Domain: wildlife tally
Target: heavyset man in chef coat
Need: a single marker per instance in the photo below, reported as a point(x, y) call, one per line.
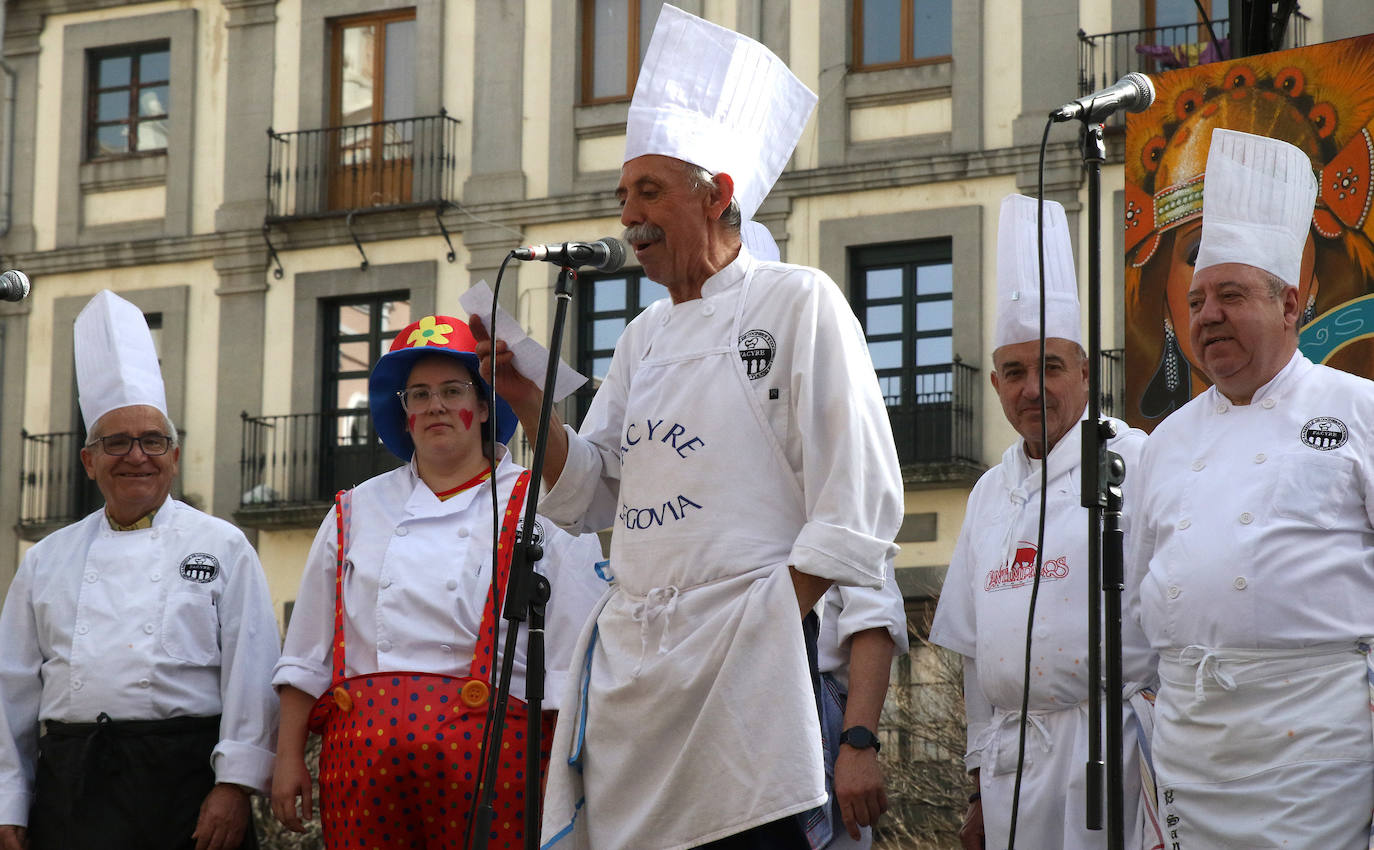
point(138, 641)
point(741, 449)
point(984, 606)
point(1250, 543)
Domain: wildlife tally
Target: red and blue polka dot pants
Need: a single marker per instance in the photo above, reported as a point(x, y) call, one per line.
point(399, 768)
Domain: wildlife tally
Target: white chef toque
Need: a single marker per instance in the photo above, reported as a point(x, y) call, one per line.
point(719, 100)
point(1257, 204)
point(116, 362)
point(1018, 275)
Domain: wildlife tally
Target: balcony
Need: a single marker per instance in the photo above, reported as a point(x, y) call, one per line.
point(291, 466)
point(933, 410)
point(1113, 375)
point(341, 171)
point(53, 488)
point(1107, 57)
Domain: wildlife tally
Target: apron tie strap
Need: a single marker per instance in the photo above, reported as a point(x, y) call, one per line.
point(1208, 667)
point(659, 603)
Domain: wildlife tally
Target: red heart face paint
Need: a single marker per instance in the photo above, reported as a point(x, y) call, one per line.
point(410, 422)
point(466, 416)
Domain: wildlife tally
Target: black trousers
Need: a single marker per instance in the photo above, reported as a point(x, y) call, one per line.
point(785, 834)
point(123, 785)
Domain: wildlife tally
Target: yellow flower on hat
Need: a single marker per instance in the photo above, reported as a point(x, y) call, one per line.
point(429, 333)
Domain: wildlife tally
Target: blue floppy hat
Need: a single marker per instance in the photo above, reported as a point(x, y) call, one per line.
point(442, 335)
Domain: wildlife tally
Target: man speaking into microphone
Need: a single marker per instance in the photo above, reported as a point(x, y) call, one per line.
point(741, 449)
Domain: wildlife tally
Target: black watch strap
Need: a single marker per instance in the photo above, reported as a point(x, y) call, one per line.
point(861, 738)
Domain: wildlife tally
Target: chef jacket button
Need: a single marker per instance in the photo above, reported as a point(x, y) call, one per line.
point(144, 683)
point(708, 310)
point(76, 684)
point(1174, 591)
point(443, 647)
point(383, 646)
point(147, 628)
point(452, 584)
point(1240, 583)
point(1261, 458)
point(1222, 407)
point(386, 582)
point(463, 532)
point(1198, 465)
point(82, 629)
point(1246, 518)
point(1042, 633)
point(1185, 524)
point(92, 577)
point(155, 533)
point(1268, 404)
point(402, 531)
point(154, 576)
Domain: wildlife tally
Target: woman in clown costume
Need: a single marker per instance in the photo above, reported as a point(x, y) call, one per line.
point(391, 652)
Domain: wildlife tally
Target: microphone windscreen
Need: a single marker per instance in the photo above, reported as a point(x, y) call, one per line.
point(615, 253)
point(14, 285)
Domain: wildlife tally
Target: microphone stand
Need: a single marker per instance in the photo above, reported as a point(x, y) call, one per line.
point(1103, 472)
point(526, 594)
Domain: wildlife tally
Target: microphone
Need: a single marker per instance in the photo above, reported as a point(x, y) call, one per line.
point(14, 285)
point(1133, 93)
point(606, 254)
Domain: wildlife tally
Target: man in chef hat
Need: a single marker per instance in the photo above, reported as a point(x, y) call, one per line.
point(985, 602)
point(1249, 549)
point(136, 645)
point(741, 450)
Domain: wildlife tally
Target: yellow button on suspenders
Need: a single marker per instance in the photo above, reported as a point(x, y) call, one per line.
point(474, 693)
point(342, 699)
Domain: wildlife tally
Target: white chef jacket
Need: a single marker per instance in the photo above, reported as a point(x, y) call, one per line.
point(783, 382)
point(1248, 536)
point(168, 621)
point(420, 581)
point(1252, 561)
point(845, 612)
point(849, 610)
point(982, 615)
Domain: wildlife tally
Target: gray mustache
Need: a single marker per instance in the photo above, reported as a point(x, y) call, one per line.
point(642, 233)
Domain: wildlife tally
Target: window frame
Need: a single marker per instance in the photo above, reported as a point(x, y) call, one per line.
point(134, 52)
point(588, 315)
point(331, 340)
point(587, 52)
point(379, 20)
point(908, 42)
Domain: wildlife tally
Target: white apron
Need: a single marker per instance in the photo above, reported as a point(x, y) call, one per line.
point(1265, 748)
point(700, 720)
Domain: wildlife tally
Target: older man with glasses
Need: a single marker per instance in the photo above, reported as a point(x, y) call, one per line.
point(136, 644)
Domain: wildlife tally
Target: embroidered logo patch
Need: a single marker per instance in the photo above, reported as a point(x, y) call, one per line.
point(1021, 569)
point(1324, 433)
point(538, 537)
point(200, 567)
point(756, 349)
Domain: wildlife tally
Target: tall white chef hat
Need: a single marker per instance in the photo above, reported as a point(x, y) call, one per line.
point(719, 100)
point(116, 363)
point(1018, 275)
point(1256, 204)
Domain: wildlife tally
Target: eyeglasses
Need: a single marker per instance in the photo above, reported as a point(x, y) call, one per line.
point(119, 445)
point(415, 399)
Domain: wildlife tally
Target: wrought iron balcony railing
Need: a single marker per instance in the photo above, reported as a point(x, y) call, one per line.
point(1113, 388)
point(53, 490)
point(1107, 57)
point(291, 466)
point(933, 410)
point(398, 164)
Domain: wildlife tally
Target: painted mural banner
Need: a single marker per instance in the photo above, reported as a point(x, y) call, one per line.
point(1319, 98)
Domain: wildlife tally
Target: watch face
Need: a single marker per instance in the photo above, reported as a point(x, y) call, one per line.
point(859, 738)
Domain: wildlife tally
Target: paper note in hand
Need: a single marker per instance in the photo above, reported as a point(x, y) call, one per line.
point(531, 359)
